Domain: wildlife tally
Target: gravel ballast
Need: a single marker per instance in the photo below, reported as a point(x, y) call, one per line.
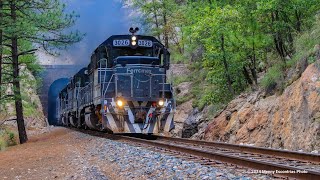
point(133, 162)
point(66, 154)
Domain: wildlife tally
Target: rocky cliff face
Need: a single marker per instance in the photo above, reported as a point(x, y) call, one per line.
point(188, 120)
point(33, 111)
point(289, 121)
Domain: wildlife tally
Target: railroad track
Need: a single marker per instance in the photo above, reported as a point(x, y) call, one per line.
point(258, 160)
point(299, 164)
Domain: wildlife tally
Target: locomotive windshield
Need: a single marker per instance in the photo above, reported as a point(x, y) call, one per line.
point(137, 60)
point(130, 52)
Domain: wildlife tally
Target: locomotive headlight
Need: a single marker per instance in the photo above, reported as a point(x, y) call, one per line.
point(161, 103)
point(133, 43)
point(119, 103)
point(133, 38)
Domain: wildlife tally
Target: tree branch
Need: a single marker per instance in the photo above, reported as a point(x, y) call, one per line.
point(31, 51)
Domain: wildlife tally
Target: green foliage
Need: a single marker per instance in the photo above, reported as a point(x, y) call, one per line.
point(3, 143)
point(308, 43)
point(7, 138)
point(29, 107)
point(181, 100)
point(180, 79)
point(200, 86)
point(201, 98)
point(237, 40)
point(35, 25)
point(274, 79)
point(178, 58)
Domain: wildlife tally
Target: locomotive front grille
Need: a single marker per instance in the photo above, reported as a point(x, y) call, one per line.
point(139, 85)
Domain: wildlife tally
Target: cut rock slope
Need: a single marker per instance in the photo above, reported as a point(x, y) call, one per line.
point(289, 121)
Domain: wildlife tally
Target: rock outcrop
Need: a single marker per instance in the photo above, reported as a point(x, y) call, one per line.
point(35, 118)
point(33, 111)
point(187, 119)
point(289, 121)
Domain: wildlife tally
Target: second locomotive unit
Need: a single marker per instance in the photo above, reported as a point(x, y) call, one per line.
point(124, 89)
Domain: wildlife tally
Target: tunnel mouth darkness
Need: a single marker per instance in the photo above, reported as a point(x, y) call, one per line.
point(53, 94)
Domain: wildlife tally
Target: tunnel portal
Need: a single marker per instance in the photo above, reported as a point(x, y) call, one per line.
point(53, 94)
point(54, 77)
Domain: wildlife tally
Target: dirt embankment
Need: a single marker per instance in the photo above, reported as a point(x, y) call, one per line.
point(289, 121)
point(58, 154)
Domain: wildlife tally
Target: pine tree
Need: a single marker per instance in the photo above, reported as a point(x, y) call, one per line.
point(41, 23)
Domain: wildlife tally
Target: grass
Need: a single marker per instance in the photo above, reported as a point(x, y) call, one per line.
point(180, 79)
point(181, 100)
point(273, 76)
point(177, 58)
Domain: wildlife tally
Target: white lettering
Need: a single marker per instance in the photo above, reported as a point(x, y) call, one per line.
point(140, 71)
point(121, 42)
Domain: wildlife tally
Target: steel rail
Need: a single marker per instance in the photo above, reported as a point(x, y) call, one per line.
point(301, 156)
point(283, 170)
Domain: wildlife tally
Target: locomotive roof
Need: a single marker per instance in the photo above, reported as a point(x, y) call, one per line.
point(113, 37)
point(64, 89)
point(80, 72)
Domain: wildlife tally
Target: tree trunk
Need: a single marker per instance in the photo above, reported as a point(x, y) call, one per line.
point(298, 24)
point(287, 20)
point(1, 52)
point(16, 81)
point(253, 67)
point(246, 75)
point(165, 23)
point(277, 38)
point(224, 59)
point(156, 18)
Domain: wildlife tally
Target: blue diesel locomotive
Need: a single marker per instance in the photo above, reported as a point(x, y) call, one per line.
point(124, 89)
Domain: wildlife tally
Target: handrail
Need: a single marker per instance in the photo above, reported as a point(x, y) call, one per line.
point(83, 95)
point(105, 91)
point(104, 77)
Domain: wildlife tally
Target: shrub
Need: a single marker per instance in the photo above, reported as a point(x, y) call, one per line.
point(181, 100)
point(7, 138)
point(11, 139)
point(273, 79)
point(305, 45)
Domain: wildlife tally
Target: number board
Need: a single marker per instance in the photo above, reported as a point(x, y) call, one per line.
point(145, 43)
point(121, 42)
